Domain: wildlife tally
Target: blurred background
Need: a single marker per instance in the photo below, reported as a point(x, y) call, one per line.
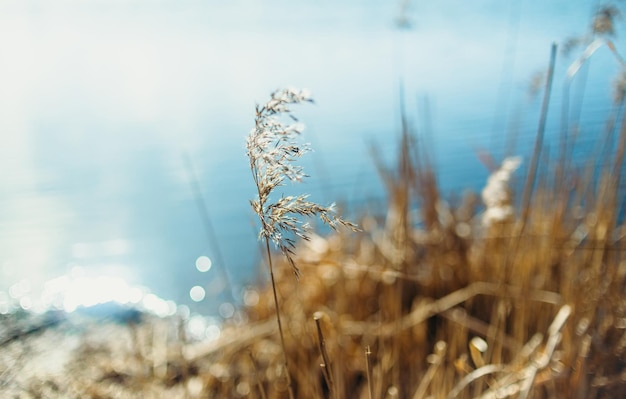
point(123, 173)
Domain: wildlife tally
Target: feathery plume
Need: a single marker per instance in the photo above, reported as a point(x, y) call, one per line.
point(273, 149)
point(497, 194)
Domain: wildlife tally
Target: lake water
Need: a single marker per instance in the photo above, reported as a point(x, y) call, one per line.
point(108, 109)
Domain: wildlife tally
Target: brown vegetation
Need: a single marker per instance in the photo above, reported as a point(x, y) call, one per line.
point(441, 304)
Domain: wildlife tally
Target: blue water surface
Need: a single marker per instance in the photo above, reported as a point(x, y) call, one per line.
point(109, 108)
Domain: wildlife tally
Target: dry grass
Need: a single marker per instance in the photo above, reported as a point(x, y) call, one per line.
point(547, 300)
point(452, 302)
point(273, 149)
point(449, 304)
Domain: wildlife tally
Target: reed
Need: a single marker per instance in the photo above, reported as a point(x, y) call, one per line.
point(273, 148)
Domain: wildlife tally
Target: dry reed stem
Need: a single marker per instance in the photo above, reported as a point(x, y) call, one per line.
point(436, 359)
point(368, 352)
point(460, 316)
point(430, 309)
point(325, 366)
point(272, 149)
point(534, 164)
point(258, 381)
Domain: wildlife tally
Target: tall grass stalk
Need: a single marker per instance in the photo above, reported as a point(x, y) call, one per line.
point(534, 163)
point(273, 148)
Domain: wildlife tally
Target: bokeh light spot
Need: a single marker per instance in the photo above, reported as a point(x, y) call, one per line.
point(203, 263)
point(212, 332)
point(197, 293)
point(226, 310)
point(250, 297)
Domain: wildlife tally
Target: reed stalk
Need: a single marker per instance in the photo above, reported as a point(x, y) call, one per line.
point(273, 148)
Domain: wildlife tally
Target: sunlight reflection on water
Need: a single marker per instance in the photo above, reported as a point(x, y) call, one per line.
point(79, 290)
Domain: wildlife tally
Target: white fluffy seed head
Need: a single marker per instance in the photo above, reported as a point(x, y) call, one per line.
point(273, 148)
point(497, 194)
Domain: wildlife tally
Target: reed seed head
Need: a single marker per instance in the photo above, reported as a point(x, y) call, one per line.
point(604, 20)
point(497, 194)
point(273, 148)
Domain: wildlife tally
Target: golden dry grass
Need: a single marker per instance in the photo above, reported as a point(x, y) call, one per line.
point(447, 306)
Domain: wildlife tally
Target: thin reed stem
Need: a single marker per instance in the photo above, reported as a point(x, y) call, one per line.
point(437, 360)
point(368, 352)
point(258, 381)
point(280, 325)
point(530, 181)
point(273, 148)
point(326, 370)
